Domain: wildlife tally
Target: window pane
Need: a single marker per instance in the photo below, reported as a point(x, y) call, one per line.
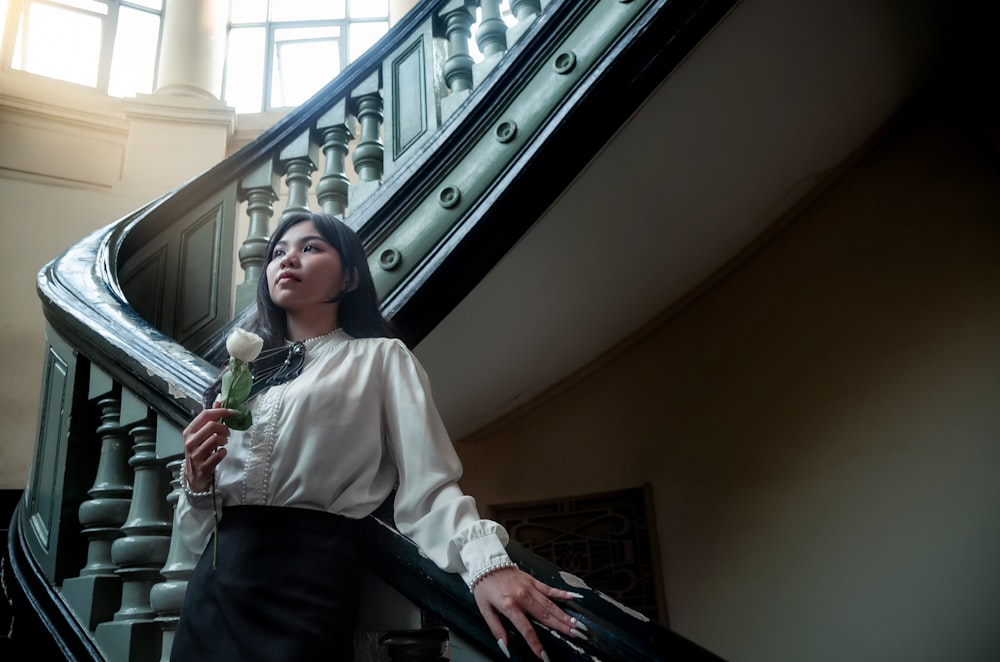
point(301, 68)
point(364, 36)
point(134, 58)
point(282, 35)
point(306, 10)
point(156, 5)
point(245, 69)
point(61, 44)
point(87, 5)
point(369, 8)
point(248, 11)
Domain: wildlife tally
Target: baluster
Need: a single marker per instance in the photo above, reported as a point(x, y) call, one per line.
point(259, 189)
point(369, 153)
point(134, 634)
point(458, 19)
point(525, 11)
point(297, 161)
point(491, 37)
point(167, 597)
point(335, 130)
point(96, 593)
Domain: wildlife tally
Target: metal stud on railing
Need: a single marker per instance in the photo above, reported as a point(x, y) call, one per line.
point(389, 259)
point(506, 131)
point(564, 62)
point(449, 196)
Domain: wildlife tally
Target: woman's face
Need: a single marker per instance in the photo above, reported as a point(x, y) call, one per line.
point(304, 270)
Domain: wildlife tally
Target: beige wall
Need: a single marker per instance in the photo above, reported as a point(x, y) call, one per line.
point(84, 164)
point(821, 429)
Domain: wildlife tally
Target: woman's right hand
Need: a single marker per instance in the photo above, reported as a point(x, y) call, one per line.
point(205, 440)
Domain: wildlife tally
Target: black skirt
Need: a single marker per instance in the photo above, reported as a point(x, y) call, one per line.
point(285, 587)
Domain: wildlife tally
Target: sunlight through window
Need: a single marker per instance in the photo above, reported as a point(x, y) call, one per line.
point(281, 53)
point(59, 42)
point(133, 67)
point(110, 45)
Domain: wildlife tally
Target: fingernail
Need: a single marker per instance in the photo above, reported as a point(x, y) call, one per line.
point(545, 658)
point(578, 624)
point(579, 635)
point(574, 595)
point(503, 648)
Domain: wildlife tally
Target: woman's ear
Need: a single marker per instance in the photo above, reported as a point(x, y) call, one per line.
point(353, 280)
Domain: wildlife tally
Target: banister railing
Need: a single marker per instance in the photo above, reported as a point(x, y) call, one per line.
point(472, 154)
point(353, 138)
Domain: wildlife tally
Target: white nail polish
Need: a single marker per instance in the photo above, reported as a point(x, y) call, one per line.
point(579, 635)
point(574, 622)
point(574, 595)
point(545, 658)
point(503, 648)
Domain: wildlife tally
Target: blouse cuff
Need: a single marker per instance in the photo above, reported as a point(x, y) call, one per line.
point(196, 499)
point(482, 556)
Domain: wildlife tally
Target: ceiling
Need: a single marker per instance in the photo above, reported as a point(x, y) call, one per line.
point(769, 103)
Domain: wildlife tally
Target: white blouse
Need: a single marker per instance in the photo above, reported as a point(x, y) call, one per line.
point(337, 438)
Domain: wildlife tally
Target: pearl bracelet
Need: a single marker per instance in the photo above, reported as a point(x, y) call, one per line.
point(187, 487)
point(489, 570)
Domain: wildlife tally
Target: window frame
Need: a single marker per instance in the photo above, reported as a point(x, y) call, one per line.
point(270, 45)
point(18, 15)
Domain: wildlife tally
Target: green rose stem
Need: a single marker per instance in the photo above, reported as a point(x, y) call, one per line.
point(236, 383)
point(215, 528)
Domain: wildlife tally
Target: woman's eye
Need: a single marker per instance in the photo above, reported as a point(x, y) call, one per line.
point(276, 254)
point(310, 247)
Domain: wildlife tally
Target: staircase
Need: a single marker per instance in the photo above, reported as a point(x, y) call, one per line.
point(451, 161)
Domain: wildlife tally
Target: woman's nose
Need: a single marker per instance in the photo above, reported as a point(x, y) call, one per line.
point(289, 259)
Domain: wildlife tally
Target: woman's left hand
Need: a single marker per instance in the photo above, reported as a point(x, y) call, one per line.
point(518, 596)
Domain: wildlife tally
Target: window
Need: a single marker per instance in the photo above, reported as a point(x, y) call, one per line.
point(111, 45)
point(281, 53)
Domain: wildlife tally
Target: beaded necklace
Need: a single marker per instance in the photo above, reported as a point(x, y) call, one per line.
point(289, 369)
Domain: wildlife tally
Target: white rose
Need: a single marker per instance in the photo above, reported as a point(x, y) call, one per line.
point(244, 345)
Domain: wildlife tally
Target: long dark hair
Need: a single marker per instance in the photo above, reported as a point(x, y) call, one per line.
point(358, 314)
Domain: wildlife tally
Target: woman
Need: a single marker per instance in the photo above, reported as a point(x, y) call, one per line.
point(328, 446)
